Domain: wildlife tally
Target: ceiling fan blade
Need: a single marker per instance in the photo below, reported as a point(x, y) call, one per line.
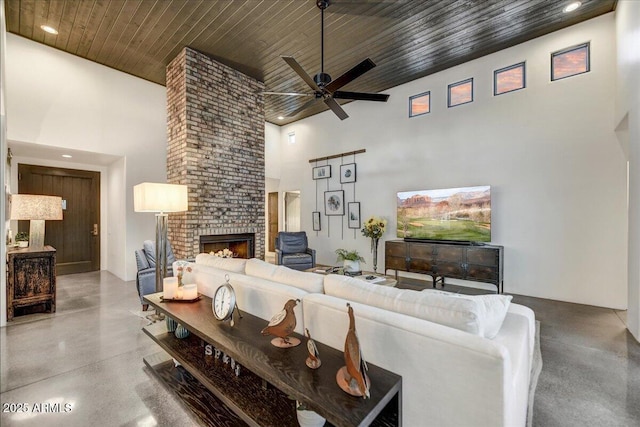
point(298, 69)
point(288, 93)
point(304, 107)
point(336, 108)
point(350, 75)
point(361, 96)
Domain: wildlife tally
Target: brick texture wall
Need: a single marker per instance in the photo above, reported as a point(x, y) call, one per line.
point(215, 130)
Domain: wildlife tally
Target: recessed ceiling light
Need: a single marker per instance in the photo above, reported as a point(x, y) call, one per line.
point(67, 156)
point(280, 118)
point(572, 6)
point(49, 29)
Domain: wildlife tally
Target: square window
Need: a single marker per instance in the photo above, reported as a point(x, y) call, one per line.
point(509, 79)
point(460, 93)
point(570, 62)
point(420, 104)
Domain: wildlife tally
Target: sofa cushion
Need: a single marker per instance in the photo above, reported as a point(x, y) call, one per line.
point(494, 309)
point(296, 259)
point(236, 265)
point(309, 282)
point(459, 313)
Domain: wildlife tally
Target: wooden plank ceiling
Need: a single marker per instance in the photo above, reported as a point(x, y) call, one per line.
point(406, 39)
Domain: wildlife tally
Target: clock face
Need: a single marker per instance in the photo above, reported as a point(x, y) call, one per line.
point(224, 302)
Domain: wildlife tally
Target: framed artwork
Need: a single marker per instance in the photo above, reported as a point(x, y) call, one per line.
point(334, 202)
point(316, 221)
point(347, 173)
point(322, 172)
point(353, 212)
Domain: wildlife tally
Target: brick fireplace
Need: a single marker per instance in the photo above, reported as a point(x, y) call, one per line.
point(215, 130)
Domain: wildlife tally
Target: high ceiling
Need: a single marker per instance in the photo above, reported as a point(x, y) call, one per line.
point(406, 39)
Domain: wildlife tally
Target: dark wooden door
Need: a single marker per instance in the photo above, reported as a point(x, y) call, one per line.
point(77, 237)
point(273, 220)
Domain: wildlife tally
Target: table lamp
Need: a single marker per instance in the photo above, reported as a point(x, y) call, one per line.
point(160, 198)
point(37, 209)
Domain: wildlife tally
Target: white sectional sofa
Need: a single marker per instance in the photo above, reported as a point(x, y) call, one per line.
point(464, 361)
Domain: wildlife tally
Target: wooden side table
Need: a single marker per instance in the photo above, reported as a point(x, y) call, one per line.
point(31, 278)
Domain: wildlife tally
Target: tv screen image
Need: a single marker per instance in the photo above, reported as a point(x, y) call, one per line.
point(456, 214)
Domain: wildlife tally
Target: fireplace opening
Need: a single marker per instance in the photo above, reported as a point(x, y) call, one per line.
point(242, 245)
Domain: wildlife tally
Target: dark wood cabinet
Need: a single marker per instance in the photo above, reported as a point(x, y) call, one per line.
point(31, 278)
point(479, 263)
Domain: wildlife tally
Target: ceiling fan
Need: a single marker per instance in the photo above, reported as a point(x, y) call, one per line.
point(324, 88)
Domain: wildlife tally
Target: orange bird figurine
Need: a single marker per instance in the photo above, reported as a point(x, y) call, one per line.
point(353, 378)
point(313, 361)
point(282, 325)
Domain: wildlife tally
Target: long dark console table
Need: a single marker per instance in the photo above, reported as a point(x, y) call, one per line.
point(246, 396)
point(479, 263)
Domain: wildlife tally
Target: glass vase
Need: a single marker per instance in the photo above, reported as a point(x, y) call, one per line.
point(374, 249)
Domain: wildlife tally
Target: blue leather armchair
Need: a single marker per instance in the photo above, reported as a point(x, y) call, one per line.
point(292, 250)
point(146, 262)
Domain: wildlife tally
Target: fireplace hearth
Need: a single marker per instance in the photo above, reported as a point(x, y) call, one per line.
point(242, 245)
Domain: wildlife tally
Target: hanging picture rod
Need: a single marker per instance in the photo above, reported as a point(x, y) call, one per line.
point(335, 156)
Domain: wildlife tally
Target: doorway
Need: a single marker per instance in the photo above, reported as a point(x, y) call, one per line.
point(273, 220)
point(77, 237)
point(292, 211)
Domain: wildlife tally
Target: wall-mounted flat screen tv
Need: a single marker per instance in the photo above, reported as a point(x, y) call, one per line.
point(454, 214)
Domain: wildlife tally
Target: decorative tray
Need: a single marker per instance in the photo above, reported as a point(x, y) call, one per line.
point(163, 299)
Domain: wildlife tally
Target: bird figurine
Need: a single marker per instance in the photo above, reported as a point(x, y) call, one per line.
point(353, 377)
point(313, 361)
point(282, 325)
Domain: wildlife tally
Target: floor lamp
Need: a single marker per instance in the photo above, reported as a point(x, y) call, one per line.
point(160, 198)
point(37, 209)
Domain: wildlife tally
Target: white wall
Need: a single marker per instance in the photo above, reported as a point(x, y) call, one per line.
point(628, 119)
point(57, 99)
point(3, 154)
point(557, 172)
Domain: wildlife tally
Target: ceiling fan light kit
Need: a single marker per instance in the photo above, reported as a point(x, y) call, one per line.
point(324, 88)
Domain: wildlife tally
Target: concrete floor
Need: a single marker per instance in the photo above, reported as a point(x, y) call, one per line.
point(89, 355)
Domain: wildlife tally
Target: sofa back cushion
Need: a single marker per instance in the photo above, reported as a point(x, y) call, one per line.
point(459, 313)
point(235, 265)
point(310, 282)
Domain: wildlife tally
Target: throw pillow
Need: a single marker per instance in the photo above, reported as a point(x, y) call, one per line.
point(494, 309)
point(465, 315)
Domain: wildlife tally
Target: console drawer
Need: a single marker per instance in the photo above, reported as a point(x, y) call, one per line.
point(482, 256)
point(482, 272)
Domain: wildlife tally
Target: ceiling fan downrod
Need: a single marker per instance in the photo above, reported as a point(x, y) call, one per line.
point(322, 79)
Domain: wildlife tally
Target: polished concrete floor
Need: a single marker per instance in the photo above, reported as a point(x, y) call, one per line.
point(87, 357)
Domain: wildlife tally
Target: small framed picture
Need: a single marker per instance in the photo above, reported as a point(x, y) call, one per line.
point(334, 202)
point(347, 173)
point(353, 212)
point(316, 221)
point(322, 172)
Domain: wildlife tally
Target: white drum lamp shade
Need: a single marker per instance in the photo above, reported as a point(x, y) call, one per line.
point(156, 197)
point(37, 209)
